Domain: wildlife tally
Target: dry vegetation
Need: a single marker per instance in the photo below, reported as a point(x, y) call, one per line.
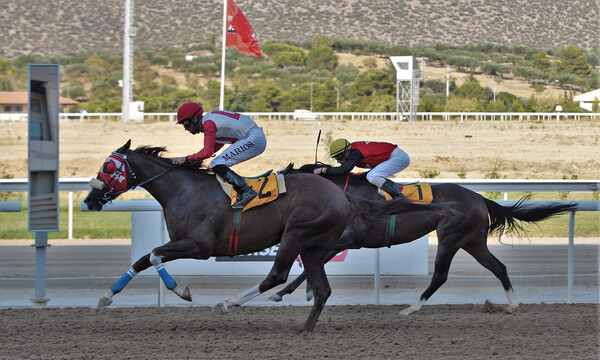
point(55, 27)
point(513, 149)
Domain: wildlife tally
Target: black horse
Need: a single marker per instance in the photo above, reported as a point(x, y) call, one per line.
point(478, 217)
point(307, 220)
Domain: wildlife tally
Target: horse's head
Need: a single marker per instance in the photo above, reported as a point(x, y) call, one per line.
point(111, 179)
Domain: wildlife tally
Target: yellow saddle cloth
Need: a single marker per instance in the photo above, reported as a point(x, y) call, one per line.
point(420, 192)
point(268, 187)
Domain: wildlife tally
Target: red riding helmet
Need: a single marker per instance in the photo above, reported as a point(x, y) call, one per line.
point(188, 110)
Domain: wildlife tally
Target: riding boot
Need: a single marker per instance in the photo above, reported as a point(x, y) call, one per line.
point(389, 187)
point(244, 192)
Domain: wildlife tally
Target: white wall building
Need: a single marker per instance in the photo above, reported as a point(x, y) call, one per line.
point(587, 100)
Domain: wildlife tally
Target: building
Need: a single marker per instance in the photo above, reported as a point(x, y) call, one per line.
point(15, 102)
point(587, 100)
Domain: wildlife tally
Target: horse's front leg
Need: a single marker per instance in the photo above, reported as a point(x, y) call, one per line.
point(174, 250)
point(315, 269)
point(142, 264)
point(182, 292)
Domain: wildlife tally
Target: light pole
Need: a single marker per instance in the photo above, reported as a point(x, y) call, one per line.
point(311, 94)
point(337, 103)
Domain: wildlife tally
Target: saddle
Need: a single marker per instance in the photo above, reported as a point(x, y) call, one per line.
point(419, 192)
point(268, 186)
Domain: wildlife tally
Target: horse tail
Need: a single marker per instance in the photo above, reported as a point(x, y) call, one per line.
point(504, 218)
point(372, 211)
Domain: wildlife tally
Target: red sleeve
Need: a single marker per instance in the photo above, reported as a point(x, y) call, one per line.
point(210, 133)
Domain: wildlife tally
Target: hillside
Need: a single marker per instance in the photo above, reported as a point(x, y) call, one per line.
point(54, 27)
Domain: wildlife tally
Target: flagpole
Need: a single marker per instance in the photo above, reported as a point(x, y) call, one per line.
point(221, 101)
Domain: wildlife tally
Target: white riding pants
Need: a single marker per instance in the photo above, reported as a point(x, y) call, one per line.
point(243, 149)
point(398, 161)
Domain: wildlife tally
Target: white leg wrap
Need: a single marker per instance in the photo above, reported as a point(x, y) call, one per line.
point(155, 260)
point(413, 308)
point(241, 298)
point(512, 302)
point(179, 291)
point(244, 297)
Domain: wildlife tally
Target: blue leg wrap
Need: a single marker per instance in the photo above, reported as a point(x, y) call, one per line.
point(166, 278)
point(124, 280)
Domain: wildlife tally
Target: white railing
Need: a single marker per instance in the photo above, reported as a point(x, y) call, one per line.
point(503, 185)
point(78, 184)
point(424, 116)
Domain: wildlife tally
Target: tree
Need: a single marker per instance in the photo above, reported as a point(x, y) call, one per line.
point(573, 61)
point(290, 58)
point(372, 81)
point(322, 58)
point(3, 66)
point(493, 68)
point(460, 104)
point(6, 84)
point(471, 90)
point(211, 97)
point(346, 73)
point(461, 62)
point(285, 54)
point(528, 73)
point(540, 61)
point(370, 63)
point(428, 104)
point(321, 41)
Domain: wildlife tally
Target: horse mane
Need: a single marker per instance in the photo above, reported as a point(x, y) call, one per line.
point(151, 150)
point(156, 151)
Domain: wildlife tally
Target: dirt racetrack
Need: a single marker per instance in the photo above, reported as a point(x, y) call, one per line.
point(481, 331)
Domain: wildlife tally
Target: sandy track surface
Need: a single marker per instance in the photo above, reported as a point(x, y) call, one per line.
point(546, 331)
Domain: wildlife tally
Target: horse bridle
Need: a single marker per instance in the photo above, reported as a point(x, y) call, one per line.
point(110, 193)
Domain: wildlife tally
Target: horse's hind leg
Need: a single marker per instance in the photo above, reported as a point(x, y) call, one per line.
point(278, 296)
point(481, 253)
point(443, 259)
point(284, 260)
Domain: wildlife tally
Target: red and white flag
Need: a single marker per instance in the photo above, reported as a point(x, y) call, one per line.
point(239, 32)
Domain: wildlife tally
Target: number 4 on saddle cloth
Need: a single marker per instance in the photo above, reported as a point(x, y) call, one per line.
point(419, 192)
point(268, 186)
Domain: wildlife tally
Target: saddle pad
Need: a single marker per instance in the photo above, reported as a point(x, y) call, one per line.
point(420, 192)
point(268, 188)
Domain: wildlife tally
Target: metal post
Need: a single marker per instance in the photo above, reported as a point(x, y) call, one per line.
point(571, 257)
point(377, 276)
point(70, 215)
point(41, 242)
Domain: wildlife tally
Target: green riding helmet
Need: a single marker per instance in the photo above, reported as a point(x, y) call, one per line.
point(338, 146)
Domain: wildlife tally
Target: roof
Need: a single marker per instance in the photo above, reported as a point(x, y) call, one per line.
point(588, 96)
point(22, 98)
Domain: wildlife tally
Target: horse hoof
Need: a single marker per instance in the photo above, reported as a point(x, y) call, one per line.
point(275, 298)
point(405, 312)
point(104, 302)
point(186, 295)
point(220, 309)
point(309, 295)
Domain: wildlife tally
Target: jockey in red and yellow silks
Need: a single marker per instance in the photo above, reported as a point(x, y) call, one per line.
point(384, 159)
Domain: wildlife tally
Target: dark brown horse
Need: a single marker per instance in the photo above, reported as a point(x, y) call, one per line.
point(307, 220)
point(478, 217)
